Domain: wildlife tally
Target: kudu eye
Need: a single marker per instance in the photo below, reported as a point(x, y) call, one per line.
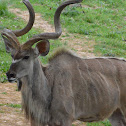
point(26, 57)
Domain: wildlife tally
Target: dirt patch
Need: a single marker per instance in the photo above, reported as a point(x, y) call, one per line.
point(39, 22)
point(84, 47)
point(86, 6)
point(11, 115)
point(124, 18)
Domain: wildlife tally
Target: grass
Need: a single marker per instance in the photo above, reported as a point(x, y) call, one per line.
point(101, 20)
point(3, 7)
point(4, 93)
point(103, 123)
point(11, 105)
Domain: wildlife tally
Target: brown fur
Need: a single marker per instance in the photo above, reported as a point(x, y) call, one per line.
point(59, 52)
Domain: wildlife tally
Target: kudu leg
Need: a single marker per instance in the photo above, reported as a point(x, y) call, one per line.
point(52, 125)
point(117, 119)
point(37, 125)
point(69, 123)
point(34, 124)
point(59, 125)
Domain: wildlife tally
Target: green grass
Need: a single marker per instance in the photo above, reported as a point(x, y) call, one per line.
point(3, 7)
point(1, 111)
point(11, 105)
point(4, 93)
point(103, 123)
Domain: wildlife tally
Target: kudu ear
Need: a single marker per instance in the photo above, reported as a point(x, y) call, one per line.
point(43, 47)
point(8, 45)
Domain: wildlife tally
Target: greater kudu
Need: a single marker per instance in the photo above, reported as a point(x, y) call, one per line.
point(69, 87)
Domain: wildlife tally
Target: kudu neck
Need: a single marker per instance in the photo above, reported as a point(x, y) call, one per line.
point(36, 79)
point(36, 74)
point(38, 93)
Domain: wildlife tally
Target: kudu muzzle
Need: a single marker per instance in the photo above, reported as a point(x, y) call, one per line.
point(12, 78)
point(11, 74)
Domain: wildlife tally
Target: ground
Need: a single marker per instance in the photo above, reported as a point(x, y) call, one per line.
point(10, 110)
point(10, 98)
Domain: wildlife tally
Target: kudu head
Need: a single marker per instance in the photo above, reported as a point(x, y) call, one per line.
point(24, 55)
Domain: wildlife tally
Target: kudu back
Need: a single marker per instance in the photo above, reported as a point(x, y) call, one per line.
point(69, 88)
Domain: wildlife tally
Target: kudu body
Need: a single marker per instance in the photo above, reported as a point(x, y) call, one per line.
point(69, 88)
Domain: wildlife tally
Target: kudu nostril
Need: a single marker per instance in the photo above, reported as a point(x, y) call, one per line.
point(10, 75)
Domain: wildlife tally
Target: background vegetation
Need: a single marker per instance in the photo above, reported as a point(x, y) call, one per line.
point(101, 20)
